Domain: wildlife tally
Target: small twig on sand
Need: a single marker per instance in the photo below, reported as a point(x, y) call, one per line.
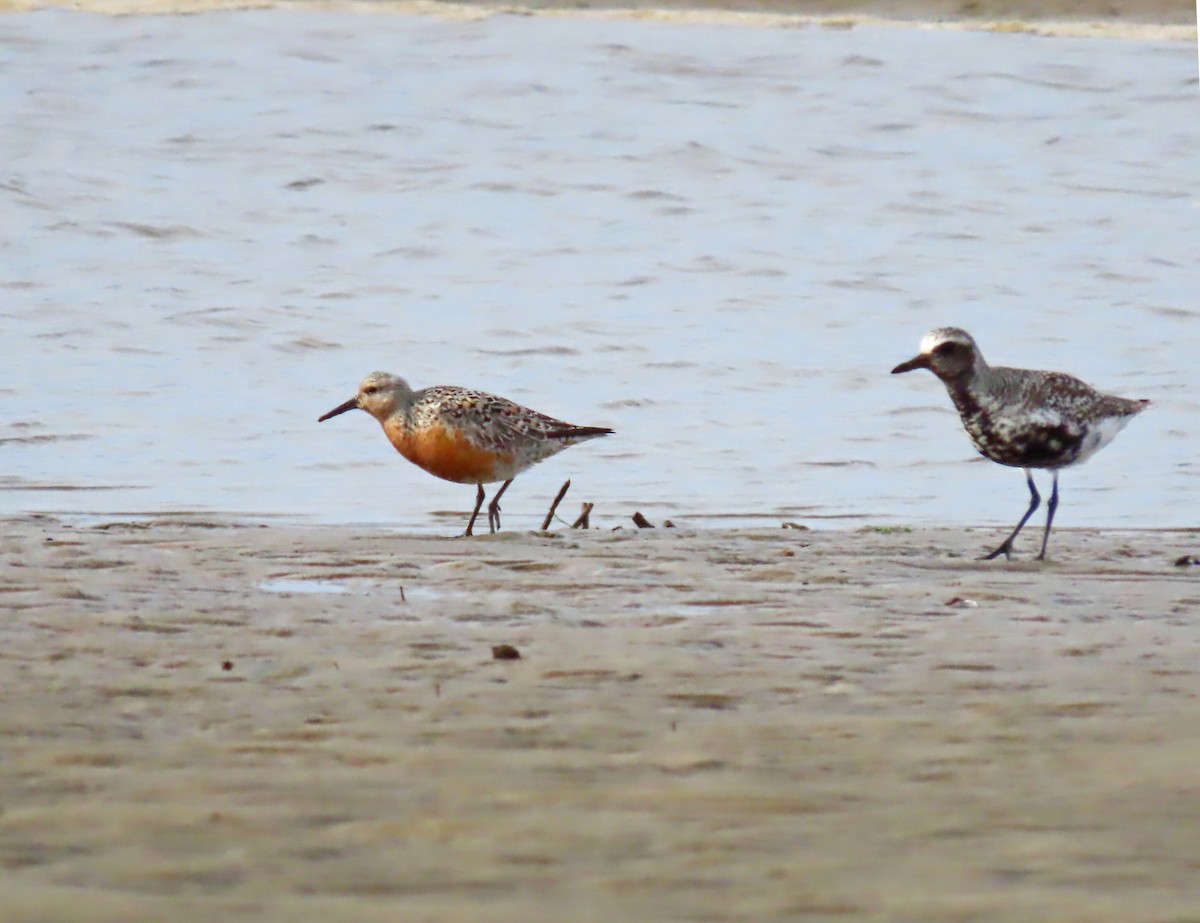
point(562, 492)
point(642, 522)
point(582, 522)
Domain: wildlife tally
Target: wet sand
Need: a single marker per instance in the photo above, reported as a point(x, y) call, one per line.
point(211, 720)
point(1174, 12)
point(1145, 19)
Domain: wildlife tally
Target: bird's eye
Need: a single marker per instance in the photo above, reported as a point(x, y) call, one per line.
point(945, 349)
point(370, 389)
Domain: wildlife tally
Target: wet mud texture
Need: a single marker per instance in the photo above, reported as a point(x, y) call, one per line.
point(204, 720)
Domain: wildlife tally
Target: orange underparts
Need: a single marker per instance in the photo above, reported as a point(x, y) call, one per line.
point(449, 455)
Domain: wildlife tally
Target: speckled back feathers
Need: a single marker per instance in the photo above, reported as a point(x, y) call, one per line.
point(495, 423)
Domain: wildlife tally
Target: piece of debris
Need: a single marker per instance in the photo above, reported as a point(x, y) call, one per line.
point(1188, 560)
point(505, 652)
point(794, 525)
point(562, 492)
point(226, 665)
point(667, 524)
point(959, 602)
point(642, 522)
point(787, 552)
point(583, 522)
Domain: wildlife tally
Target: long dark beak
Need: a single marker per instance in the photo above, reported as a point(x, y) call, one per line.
point(916, 362)
point(351, 404)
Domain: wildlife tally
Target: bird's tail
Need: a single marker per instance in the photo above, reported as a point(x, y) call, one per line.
point(579, 432)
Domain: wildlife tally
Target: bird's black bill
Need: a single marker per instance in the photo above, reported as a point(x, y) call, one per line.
point(351, 404)
point(916, 362)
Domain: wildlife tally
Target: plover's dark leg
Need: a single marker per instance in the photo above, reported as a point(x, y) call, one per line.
point(494, 506)
point(474, 512)
point(1034, 499)
point(1050, 508)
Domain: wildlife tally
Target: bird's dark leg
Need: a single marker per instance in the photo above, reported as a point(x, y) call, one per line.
point(474, 512)
point(1034, 499)
point(1050, 508)
point(494, 506)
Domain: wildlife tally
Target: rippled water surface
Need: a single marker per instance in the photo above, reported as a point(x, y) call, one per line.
point(717, 240)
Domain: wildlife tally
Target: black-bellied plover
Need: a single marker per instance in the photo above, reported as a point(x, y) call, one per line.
point(1021, 417)
point(469, 437)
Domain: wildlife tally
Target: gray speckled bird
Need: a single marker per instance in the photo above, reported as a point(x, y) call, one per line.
point(1021, 417)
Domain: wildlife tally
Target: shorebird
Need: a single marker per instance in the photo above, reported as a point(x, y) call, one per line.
point(465, 436)
point(1021, 417)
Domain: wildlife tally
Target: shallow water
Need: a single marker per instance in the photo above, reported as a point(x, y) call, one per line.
point(716, 240)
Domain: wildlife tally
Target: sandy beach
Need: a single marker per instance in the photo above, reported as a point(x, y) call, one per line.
point(1145, 19)
point(966, 13)
point(211, 720)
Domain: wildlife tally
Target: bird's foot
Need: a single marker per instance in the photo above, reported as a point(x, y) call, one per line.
point(493, 518)
point(1005, 549)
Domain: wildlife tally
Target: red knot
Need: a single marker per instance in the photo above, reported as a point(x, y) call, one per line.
point(465, 436)
point(1021, 417)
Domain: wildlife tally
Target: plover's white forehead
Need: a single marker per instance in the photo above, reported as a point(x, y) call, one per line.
point(934, 338)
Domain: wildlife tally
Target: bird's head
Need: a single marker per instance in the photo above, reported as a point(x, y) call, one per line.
point(948, 352)
point(379, 395)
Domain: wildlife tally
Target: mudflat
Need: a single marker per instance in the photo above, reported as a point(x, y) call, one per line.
point(1144, 19)
point(205, 719)
point(1138, 11)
